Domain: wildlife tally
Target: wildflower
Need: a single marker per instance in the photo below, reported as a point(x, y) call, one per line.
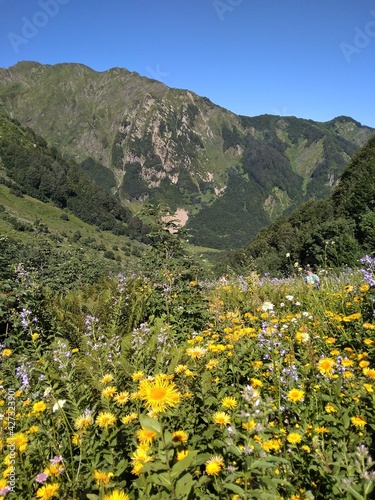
point(358, 421)
point(42, 477)
point(294, 438)
point(146, 435)
point(267, 306)
point(271, 444)
point(306, 448)
point(77, 439)
point(75, 350)
point(107, 378)
point(295, 395)
point(182, 454)
point(109, 391)
point(211, 364)
point(221, 418)
point(179, 437)
point(39, 406)
point(159, 394)
point(348, 289)
point(229, 403)
point(326, 365)
point(48, 491)
point(33, 429)
point(368, 387)
point(83, 422)
point(256, 382)
point(180, 368)
point(19, 440)
point(329, 408)
point(53, 470)
point(116, 495)
point(138, 376)
point(196, 352)
point(58, 405)
point(249, 426)
point(321, 430)
point(214, 465)
point(105, 419)
point(369, 372)
point(121, 398)
point(102, 477)
point(129, 418)
point(6, 353)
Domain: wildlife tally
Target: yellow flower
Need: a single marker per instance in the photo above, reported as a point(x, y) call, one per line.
point(54, 470)
point(35, 336)
point(77, 439)
point(189, 373)
point(33, 429)
point(129, 418)
point(138, 376)
point(321, 430)
point(358, 421)
point(159, 394)
point(214, 465)
point(179, 437)
point(83, 421)
point(6, 353)
point(48, 491)
point(221, 418)
point(75, 350)
point(39, 406)
point(121, 398)
point(348, 289)
point(369, 372)
point(257, 364)
point(211, 364)
point(326, 365)
point(306, 448)
point(329, 408)
point(109, 391)
point(146, 435)
point(295, 395)
point(229, 402)
point(271, 444)
point(108, 377)
point(364, 364)
point(182, 454)
point(180, 368)
point(102, 477)
point(249, 426)
point(106, 419)
point(116, 495)
point(368, 387)
point(256, 382)
point(19, 439)
point(294, 438)
point(196, 352)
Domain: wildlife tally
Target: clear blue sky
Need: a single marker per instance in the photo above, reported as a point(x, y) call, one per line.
point(308, 58)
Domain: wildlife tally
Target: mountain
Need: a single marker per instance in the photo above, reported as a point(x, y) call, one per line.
point(335, 232)
point(228, 175)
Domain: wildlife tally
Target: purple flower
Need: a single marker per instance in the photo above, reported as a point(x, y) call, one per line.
point(40, 478)
point(56, 459)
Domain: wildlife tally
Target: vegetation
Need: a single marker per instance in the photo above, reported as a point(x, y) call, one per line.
point(331, 233)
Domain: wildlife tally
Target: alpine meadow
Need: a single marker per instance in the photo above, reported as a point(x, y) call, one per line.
point(158, 338)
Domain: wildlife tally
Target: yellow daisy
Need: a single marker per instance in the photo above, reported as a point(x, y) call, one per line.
point(295, 395)
point(159, 394)
point(221, 418)
point(106, 419)
point(48, 491)
point(116, 495)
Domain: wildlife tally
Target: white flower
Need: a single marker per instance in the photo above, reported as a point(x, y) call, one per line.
point(267, 306)
point(289, 297)
point(57, 406)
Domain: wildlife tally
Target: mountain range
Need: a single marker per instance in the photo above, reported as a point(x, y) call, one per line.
point(227, 176)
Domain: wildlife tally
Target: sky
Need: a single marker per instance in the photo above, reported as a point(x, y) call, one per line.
point(312, 59)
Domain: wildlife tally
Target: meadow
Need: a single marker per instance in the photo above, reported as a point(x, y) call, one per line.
point(166, 386)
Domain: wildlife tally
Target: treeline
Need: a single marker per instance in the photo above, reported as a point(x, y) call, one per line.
point(41, 172)
point(334, 232)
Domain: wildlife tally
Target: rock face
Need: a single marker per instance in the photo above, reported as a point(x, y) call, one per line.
point(231, 175)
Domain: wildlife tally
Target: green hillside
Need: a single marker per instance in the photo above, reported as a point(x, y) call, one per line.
point(334, 232)
point(147, 143)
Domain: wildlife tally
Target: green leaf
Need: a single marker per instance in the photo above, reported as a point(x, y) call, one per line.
point(91, 496)
point(150, 423)
point(121, 466)
point(234, 487)
point(183, 486)
point(183, 464)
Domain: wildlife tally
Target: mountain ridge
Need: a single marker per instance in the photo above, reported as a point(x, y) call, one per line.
point(172, 146)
